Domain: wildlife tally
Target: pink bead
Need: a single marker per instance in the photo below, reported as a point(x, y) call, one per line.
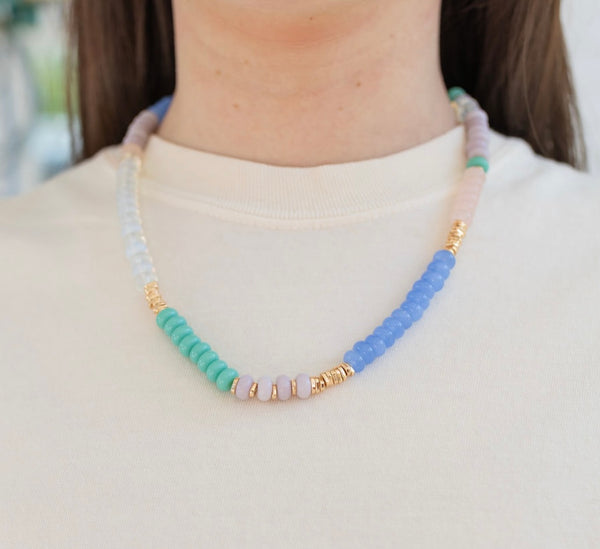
point(467, 197)
point(146, 121)
point(284, 387)
point(482, 141)
point(265, 387)
point(478, 149)
point(303, 387)
point(242, 388)
point(478, 133)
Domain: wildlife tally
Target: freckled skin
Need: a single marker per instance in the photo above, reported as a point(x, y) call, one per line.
point(306, 82)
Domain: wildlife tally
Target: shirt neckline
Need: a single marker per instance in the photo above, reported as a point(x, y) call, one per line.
point(263, 191)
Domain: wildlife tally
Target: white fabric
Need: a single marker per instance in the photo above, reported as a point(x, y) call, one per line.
point(478, 428)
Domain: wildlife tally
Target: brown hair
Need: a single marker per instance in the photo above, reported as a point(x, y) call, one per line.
point(508, 54)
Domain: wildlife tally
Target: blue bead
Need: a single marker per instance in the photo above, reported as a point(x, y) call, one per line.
point(414, 310)
point(446, 256)
point(395, 326)
point(419, 298)
point(386, 334)
point(435, 279)
point(161, 107)
point(439, 267)
point(424, 287)
point(355, 360)
point(403, 317)
point(365, 350)
point(377, 343)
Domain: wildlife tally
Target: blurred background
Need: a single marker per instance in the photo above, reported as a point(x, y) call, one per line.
point(34, 131)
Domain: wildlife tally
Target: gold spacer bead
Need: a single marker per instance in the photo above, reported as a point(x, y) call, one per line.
point(252, 391)
point(316, 385)
point(234, 385)
point(274, 392)
point(294, 387)
point(347, 368)
point(455, 236)
point(154, 298)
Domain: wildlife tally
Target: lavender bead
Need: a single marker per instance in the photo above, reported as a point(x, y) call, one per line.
point(242, 389)
point(284, 387)
point(303, 388)
point(476, 115)
point(265, 386)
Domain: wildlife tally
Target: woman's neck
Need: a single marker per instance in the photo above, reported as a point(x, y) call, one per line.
point(322, 82)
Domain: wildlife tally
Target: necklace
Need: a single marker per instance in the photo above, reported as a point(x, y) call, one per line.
point(468, 112)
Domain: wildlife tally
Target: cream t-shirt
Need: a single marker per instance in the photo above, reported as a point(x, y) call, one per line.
point(480, 427)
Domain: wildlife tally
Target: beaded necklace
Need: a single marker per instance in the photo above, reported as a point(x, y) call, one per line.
point(468, 112)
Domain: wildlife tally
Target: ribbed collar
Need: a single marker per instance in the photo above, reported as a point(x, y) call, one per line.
point(268, 191)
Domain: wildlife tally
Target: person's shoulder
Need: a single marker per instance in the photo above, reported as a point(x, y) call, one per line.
point(82, 189)
point(536, 191)
point(518, 170)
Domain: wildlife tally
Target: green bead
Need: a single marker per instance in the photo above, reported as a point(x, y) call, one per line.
point(478, 161)
point(214, 369)
point(199, 348)
point(165, 315)
point(179, 333)
point(172, 323)
point(187, 343)
point(454, 92)
point(225, 379)
point(206, 359)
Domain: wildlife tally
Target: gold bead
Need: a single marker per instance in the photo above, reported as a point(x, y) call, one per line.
point(316, 385)
point(332, 377)
point(234, 385)
point(347, 368)
point(274, 392)
point(153, 297)
point(294, 387)
point(253, 389)
point(455, 236)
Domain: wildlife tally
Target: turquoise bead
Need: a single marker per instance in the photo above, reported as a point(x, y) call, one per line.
point(187, 343)
point(455, 92)
point(164, 315)
point(214, 369)
point(225, 379)
point(206, 359)
point(179, 333)
point(199, 348)
point(172, 323)
point(478, 161)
